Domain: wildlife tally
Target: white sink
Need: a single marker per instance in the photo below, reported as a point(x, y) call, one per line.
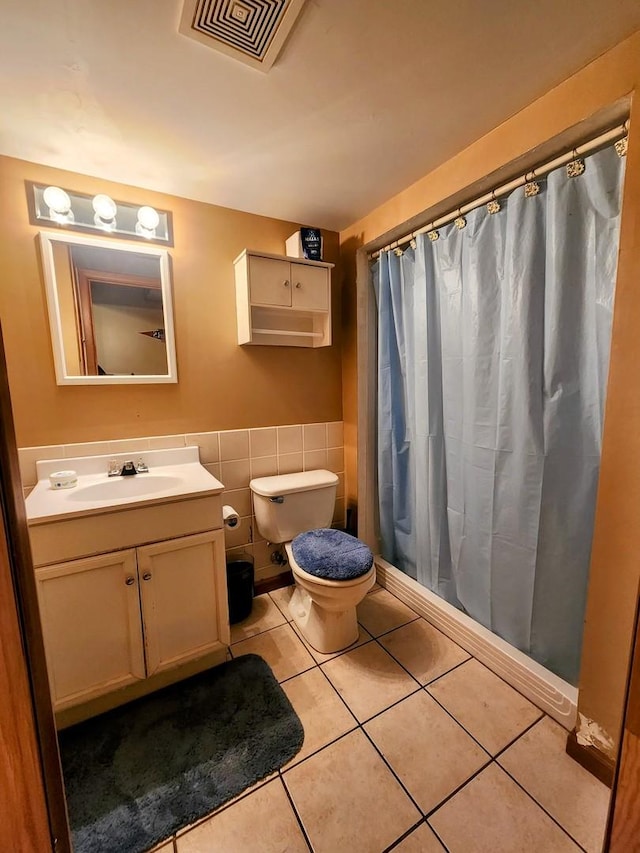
point(173, 475)
point(124, 487)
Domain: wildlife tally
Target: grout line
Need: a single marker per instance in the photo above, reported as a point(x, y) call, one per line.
point(436, 677)
point(410, 832)
point(395, 628)
point(295, 675)
point(320, 749)
point(360, 726)
point(226, 805)
point(258, 633)
point(448, 672)
point(260, 783)
point(392, 771)
point(403, 668)
point(384, 710)
point(457, 790)
point(440, 839)
point(473, 657)
point(453, 718)
point(404, 835)
point(351, 648)
point(295, 812)
point(446, 710)
point(462, 726)
point(276, 603)
point(340, 697)
point(532, 725)
point(464, 729)
point(540, 806)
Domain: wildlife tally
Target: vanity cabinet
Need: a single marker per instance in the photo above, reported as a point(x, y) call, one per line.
point(115, 619)
point(282, 301)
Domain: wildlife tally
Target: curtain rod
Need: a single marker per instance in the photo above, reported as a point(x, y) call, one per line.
point(538, 172)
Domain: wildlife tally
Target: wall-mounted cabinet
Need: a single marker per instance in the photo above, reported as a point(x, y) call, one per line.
point(282, 301)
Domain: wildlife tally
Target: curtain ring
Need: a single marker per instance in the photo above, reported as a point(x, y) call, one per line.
point(432, 234)
point(576, 166)
point(460, 222)
point(493, 206)
point(412, 241)
point(622, 144)
point(531, 187)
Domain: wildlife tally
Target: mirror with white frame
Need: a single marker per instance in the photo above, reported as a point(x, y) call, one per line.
point(110, 311)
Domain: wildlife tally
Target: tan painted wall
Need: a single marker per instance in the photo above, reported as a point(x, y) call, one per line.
point(221, 385)
point(615, 567)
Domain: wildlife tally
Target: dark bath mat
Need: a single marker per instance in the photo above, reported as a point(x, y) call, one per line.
point(139, 773)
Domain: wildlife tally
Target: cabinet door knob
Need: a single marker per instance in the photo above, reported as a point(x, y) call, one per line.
point(298, 284)
point(286, 284)
point(146, 576)
point(130, 580)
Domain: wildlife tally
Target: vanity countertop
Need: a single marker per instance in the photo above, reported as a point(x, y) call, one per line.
point(173, 475)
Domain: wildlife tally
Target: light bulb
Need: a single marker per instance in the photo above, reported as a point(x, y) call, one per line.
point(148, 217)
point(59, 204)
point(57, 200)
point(105, 207)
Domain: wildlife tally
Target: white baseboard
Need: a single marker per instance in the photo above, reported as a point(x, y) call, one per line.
point(550, 693)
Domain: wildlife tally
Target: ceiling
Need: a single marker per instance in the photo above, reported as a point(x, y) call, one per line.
point(366, 97)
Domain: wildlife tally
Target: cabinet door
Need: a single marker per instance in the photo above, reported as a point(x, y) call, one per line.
point(310, 287)
point(184, 599)
point(90, 612)
point(269, 281)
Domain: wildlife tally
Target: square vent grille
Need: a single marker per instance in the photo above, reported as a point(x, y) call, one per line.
point(253, 31)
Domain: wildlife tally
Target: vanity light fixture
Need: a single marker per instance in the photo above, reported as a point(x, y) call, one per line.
point(148, 221)
point(59, 204)
point(97, 213)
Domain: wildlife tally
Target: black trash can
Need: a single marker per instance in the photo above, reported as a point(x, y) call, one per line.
point(239, 588)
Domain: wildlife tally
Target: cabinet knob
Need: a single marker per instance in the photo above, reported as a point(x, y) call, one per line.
point(130, 580)
point(146, 576)
point(298, 285)
point(286, 284)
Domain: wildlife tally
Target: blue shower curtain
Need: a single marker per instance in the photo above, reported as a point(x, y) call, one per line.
point(493, 350)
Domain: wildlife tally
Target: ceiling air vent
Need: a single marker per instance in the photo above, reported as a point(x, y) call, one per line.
point(253, 31)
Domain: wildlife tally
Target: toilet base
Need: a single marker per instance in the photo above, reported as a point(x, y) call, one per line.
point(327, 631)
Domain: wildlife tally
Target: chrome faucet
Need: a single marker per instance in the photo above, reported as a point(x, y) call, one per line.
point(127, 469)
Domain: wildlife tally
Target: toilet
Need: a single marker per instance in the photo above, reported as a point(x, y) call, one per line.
point(332, 570)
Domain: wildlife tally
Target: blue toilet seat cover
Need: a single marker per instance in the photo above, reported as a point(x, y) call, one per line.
point(331, 554)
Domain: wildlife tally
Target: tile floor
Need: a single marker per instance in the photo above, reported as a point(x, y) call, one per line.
point(410, 745)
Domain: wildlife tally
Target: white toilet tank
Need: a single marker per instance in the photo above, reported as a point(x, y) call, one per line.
point(293, 503)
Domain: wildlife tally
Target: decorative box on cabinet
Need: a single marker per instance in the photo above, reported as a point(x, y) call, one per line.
point(282, 301)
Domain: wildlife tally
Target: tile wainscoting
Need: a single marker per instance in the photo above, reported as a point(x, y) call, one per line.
point(234, 457)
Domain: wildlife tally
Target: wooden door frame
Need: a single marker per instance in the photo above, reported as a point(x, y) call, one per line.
point(623, 829)
point(20, 606)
